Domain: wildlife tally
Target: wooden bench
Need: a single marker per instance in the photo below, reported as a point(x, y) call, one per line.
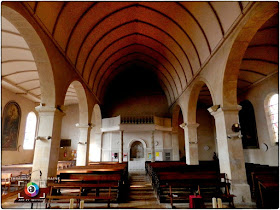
point(98, 176)
point(207, 185)
point(80, 186)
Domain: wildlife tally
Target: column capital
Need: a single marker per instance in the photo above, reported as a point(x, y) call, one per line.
point(78, 125)
point(48, 110)
point(189, 125)
point(235, 108)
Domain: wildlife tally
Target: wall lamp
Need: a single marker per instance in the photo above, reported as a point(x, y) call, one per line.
point(82, 143)
point(43, 137)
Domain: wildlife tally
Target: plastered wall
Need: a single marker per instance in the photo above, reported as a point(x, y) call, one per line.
point(70, 131)
point(110, 144)
point(205, 134)
point(256, 96)
point(26, 106)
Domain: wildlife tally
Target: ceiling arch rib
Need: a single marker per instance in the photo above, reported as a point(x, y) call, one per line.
point(138, 6)
point(162, 77)
point(218, 18)
point(140, 40)
point(123, 38)
point(58, 16)
point(148, 23)
point(152, 55)
point(78, 15)
point(136, 21)
point(111, 67)
point(198, 24)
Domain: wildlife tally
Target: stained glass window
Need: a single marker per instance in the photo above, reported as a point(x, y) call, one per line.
point(273, 114)
point(30, 129)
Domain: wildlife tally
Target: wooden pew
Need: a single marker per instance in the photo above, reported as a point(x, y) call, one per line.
point(81, 186)
point(92, 178)
point(176, 181)
point(266, 189)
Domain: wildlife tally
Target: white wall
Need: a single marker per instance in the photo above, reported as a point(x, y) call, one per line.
point(110, 143)
point(26, 106)
point(256, 96)
point(69, 130)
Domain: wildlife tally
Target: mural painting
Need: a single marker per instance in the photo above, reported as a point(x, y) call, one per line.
point(10, 126)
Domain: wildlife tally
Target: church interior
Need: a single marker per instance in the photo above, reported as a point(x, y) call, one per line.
point(143, 104)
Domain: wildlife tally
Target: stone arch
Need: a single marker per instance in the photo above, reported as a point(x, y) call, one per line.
point(193, 98)
point(82, 101)
point(262, 12)
point(41, 58)
point(134, 140)
point(95, 145)
point(178, 135)
point(143, 143)
point(175, 116)
point(83, 125)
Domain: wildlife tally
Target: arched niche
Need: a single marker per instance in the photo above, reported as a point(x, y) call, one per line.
point(136, 150)
point(130, 144)
point(39, 53)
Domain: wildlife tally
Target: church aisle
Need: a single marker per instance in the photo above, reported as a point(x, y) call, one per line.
point(141, 194)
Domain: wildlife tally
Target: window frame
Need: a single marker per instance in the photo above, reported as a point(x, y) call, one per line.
point(273, 141)
point(35, 132)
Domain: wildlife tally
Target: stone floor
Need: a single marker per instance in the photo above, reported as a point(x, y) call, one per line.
point(141, 196)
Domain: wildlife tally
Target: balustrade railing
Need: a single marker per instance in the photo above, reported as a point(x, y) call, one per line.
point(137, 119)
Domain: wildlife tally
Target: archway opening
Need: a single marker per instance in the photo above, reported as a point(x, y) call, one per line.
point(74, 123)
point(257, 79)
point(206, 131)
point(136, 150)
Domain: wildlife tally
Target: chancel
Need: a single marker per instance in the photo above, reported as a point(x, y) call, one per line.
point(140, 104)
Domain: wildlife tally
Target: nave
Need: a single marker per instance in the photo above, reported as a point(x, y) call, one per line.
point(162, 185)
point(116, 83)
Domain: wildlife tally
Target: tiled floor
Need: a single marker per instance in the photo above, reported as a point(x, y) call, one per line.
point(141, 196)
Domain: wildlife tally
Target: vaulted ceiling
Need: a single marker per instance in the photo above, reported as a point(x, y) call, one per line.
point(174, 39)
point(102, 39)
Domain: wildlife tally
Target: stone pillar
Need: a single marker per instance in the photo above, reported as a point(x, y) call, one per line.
point(82, 149)
point(95, 145)
point(230, 152)
point(121, 147)
point(175, 146)
point(191, 145)
point(101, 146)
point(153, 147)
point(47, 145)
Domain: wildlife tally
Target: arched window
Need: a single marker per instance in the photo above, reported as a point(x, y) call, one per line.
point(273, 116)
point(30, 129)
point(248, 125)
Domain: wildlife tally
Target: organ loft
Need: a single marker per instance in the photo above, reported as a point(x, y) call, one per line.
point(139, 104)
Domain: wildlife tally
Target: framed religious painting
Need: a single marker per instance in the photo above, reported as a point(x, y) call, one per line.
point(10, 126)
